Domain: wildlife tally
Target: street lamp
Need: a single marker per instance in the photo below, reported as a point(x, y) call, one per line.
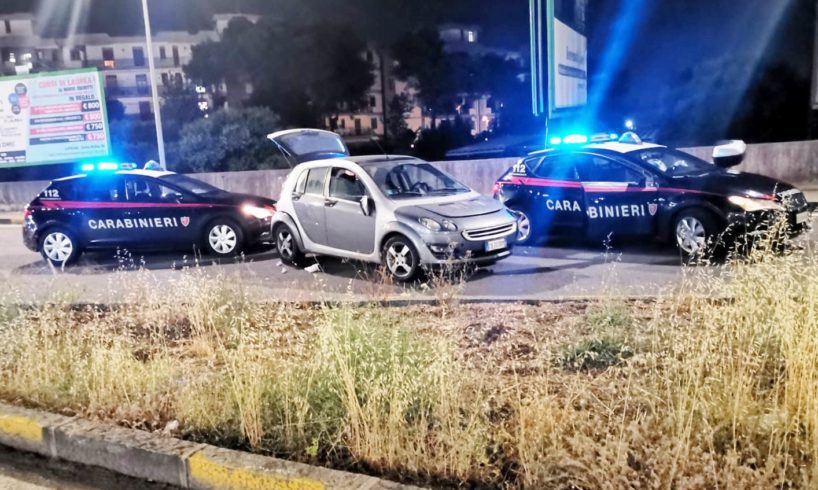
point(157, 113)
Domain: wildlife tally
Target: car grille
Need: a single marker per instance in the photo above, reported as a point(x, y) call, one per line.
point(793, 199)
point(480, 234)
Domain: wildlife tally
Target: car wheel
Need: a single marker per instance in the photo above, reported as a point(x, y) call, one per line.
point(287, 245)
point(401, 259)
point(694, 232)
point(59, 247)
point(525, 228)
point(224, 238)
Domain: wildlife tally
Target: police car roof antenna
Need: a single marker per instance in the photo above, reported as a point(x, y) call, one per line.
point(378, 143)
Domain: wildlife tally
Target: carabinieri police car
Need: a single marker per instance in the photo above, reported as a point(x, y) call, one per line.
point(110, 208)
point(628, 188)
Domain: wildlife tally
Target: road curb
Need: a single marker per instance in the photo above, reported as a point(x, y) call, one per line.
point(162, 459)
point(11, 221)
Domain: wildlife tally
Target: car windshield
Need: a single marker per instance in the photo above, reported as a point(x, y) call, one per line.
point(407, 179)
point(672, 162)
point(189, 184)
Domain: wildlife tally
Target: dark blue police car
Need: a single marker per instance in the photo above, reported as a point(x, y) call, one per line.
point(629, 188)
point(109, 208)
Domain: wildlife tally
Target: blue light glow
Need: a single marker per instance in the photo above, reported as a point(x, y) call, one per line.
point(107, 166)
point(614, 136)
point(575, 139)
point(87, 167)
point(629, 124)
point(556, 140)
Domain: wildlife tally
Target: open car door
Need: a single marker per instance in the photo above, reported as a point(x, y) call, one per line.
point(305, 145)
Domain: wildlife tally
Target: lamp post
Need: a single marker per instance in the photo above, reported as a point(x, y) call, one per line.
point(157, 113)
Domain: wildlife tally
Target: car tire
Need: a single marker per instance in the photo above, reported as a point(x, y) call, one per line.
point(223, 238)
point(59, 247)
point(525, 228)
point(401, 259)
point(695, 233)
point(287, 245)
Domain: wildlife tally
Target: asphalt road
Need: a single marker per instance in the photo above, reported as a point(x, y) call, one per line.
point(533, 273)
point(22, 471)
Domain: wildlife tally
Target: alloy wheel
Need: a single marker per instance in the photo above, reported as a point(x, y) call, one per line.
point(223, 239)
point(400, 260)
point(691, 235)
point(523, 227)
point(284, 242)
point(58, 247)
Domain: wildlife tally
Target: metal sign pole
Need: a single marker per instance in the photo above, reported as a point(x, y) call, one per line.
point(157, 113)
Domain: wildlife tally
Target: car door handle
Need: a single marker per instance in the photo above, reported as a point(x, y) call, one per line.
point(330, 202)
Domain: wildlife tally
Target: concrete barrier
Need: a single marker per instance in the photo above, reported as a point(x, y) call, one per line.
point(156, 458)
point(795, 162)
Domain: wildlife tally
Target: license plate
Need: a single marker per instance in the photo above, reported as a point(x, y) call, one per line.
point(801, 217)
point(497, 244)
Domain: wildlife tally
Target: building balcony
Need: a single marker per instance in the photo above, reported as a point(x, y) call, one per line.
point(128, 64)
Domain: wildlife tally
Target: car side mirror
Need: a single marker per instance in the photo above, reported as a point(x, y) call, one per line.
point(729, 154)
point(366, 205)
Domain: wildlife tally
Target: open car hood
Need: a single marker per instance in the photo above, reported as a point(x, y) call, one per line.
point(306, 145)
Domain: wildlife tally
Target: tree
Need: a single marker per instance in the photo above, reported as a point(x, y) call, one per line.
point(229, 140)
point(304, 73)
point(422, 61)
point(397, 131)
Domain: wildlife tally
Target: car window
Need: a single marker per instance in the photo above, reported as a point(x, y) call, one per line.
point(593, 168)
point(344, 184)
point(64, 190)
point(100, 189)
point(138, 189)
point(405, 179)
point(301, 184)
point(670, 161)
point(315, 181)
point(560, 167)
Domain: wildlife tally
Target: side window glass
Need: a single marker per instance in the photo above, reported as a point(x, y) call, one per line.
point(144, 190)
point(301, 184)
point(557, 168)
point(598, 169)
point(315, 181)
point(344, 184)
point(101, 190)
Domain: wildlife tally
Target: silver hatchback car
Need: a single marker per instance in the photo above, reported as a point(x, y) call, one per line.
point(398, 211)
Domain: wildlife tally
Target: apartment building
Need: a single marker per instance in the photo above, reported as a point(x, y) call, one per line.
point(122, 60)
point(368, 122)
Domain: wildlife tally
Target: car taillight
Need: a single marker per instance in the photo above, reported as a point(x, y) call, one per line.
point(496, 189)
point(26, 213)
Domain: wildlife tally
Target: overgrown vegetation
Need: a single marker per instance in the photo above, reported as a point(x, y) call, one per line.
point(715, 387)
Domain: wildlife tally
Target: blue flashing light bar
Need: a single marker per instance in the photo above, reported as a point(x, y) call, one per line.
point(102, 166)
point(555, 141)
point(87, 167)
point(575, 139)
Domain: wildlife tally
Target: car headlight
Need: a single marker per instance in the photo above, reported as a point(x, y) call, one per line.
point(257, 212)
point(434, 225)
point(751, 205)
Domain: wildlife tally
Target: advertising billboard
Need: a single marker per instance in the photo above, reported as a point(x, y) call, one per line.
point(56, 117)
point(569, 55)
point(559, 56)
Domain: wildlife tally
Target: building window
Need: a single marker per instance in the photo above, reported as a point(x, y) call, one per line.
point(372, 101)
point(162, 53)
point(176, 56)
point(8, 26)
point(342, 123)
point(374, 123)
point(76, 54)
point(145, 109)
point(138, 56)
point(165, 79)
point(358, 130)
point(108, 58)
point(142, 84)
point(178, 79)
point(369, 56)
point(111, 83)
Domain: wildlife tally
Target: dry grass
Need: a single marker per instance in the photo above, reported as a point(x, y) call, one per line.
point(716, 387)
